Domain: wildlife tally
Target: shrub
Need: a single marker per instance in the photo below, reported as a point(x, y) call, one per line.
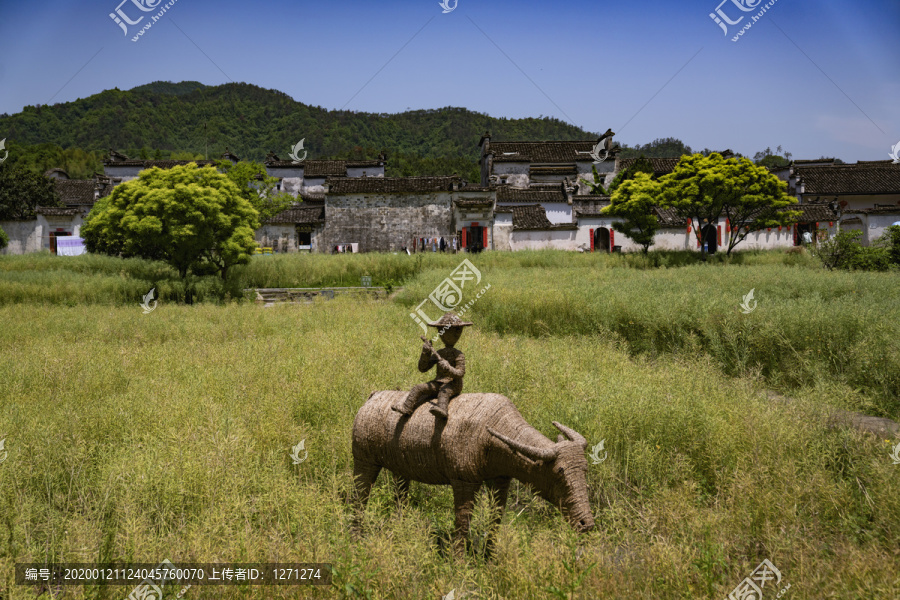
point(890, 242)
point(844, 251)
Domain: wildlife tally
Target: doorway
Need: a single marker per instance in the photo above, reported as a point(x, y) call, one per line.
point(54, 235)
point(601, 239)
point(475, 239)
point(709, 235)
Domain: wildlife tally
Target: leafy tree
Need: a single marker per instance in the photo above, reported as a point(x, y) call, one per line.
point(759, 202)
point(4, 239)
point(40, 158)
point(658, 148)
point(633, 201)
point(257, 187)
point(191, 217)
point(22, 190)
point(641, 165)
point(768, 158)
point(701, 189)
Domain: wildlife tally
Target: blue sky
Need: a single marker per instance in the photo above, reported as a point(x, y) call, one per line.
point(817, 77)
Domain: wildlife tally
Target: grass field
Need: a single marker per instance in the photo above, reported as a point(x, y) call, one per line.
point(137, 437)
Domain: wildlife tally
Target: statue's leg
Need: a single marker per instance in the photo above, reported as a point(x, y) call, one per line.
point(499, 491)
point(443, 401)
point(364, 476)
point(417, 395)
point(464, 501)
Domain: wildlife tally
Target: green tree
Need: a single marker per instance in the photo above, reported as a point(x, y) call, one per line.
point(257, 187)
point(701, 189)
point(4, 239)
point(641, 165)
point(191, 217)
point(22, 190)
point(768, 158)
point(658, 148)
point(633, 201)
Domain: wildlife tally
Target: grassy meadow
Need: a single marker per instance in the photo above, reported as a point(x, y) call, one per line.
point(135, 438)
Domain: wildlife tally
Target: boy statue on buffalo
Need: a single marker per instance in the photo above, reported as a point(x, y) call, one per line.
point(451, 366)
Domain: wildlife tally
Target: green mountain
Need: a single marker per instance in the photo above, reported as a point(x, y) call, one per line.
point(189, 119)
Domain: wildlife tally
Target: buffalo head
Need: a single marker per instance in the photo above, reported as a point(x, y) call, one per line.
point(560, 477)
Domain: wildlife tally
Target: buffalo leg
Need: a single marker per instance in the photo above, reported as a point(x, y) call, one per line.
point(364, 476)
point(499, 492)
point(464, 501)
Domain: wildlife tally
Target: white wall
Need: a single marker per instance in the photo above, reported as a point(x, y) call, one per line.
point(24, 236)
point(536, 240)
point(877, 224)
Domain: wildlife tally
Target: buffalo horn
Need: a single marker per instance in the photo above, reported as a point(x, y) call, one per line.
point(571, 434)
point(531, 452)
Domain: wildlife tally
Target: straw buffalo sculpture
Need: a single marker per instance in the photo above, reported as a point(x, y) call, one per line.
point(484, 439)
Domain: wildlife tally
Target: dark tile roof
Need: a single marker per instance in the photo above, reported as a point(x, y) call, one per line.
point(358, 164)
point(387, 185)
point(878, 210)
point(850, 179)
point(53, 211)
point(313, 196)
point(531, 216)
point(324, 168)
point(285, 164)
point(668, 217)
point(511, 194)
point(661, 166)
point(877, 163)
point(543, 152)
point(813, 212)
point(817, 161)
point(557, 169)
point(75, 192)
point(299, 214)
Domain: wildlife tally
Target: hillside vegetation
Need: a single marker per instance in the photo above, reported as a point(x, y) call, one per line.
point(190, 120)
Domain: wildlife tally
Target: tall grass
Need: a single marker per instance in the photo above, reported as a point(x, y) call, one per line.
point(140, 437)
point(808, 326)
point(96, 279)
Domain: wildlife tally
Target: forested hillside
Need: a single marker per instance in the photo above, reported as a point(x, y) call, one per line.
point(191, 120)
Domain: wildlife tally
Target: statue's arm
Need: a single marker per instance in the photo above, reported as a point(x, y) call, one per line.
point(457, 370)
point(426, 360)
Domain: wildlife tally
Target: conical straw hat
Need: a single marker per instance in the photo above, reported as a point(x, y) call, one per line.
point(449, 320)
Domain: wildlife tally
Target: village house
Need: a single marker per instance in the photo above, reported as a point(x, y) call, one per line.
point(51, 223)
point(300, 227)
point(866, 195)
point(531, 195)
point(389, 214)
